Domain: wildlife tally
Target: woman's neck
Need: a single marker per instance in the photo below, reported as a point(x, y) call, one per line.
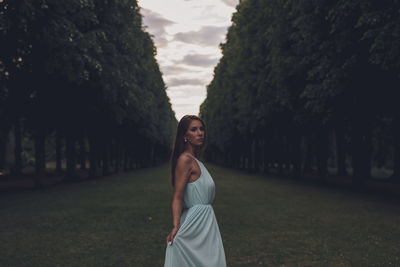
point(194, 151)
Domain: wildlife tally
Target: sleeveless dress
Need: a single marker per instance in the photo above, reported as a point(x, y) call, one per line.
point(198, 241)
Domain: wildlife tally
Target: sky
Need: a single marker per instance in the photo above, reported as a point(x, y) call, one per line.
point(187, 34)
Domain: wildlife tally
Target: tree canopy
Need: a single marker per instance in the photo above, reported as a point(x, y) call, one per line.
point(84, 70)
point(295, 73)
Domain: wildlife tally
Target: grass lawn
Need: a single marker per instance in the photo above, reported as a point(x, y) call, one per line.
point(122, 220)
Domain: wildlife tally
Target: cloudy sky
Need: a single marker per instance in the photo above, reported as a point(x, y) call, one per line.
point(187, 34)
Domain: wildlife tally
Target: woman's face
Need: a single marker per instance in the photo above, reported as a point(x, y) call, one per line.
point(195, 133)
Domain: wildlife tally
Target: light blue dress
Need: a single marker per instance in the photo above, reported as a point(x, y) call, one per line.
point(198, 241)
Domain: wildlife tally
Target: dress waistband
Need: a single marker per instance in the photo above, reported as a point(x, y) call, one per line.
point(201, 205)
point(197, 205)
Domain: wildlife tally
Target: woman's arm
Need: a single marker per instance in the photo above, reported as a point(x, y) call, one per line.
point(182, 173)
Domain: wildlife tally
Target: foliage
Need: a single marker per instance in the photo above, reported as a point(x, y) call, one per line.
point(293, 69)
point(83, 69)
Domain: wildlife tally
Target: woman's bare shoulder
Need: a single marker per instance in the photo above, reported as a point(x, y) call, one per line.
point(184, 164)
point(185, 158)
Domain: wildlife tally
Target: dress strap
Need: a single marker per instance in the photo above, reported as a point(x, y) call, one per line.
point(198, 161)
point(193, 157)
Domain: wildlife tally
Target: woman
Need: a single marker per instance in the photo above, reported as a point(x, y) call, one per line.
point(195, 239)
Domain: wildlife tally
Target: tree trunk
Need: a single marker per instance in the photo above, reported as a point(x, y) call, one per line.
point(340, 149)
point(279, 153)
point(151, 154)
point(396, 158)
point(267, 153)
point(117, 157)
point(82, 153)
point(296, 155)
point(258, 154)
point(361, 145)
point(309, 154)
point(286, 152)
point(92, 157)
point(105, 158)
point(126, 160)
point(112, 155)
point(17, 171)
point(40, 157)
point(248, 153)
point(252, 156)
point(58, 151)
point(71, 158)
point(3, 142)
point(261, 154)
point(322, 153)
point(367, 165)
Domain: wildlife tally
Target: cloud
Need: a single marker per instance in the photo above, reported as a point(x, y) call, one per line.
point(199, 60)
point(208, 36)
point(156, 24)
point(184, 81)
point(173, 70)
point(184, 105)
point(189, 101)
point(182, 92)
point(232, 3)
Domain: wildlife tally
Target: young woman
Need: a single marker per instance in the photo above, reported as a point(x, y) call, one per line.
point(195, 239)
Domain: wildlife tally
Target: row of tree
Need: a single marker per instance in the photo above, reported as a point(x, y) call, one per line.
point(83, 72)
point(306, 84)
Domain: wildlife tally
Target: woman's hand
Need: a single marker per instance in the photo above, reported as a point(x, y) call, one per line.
point(171, 235)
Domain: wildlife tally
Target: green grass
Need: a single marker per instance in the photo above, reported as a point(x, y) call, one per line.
point(122, 220)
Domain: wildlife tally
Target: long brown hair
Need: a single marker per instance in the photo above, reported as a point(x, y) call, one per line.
point(179, 144)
